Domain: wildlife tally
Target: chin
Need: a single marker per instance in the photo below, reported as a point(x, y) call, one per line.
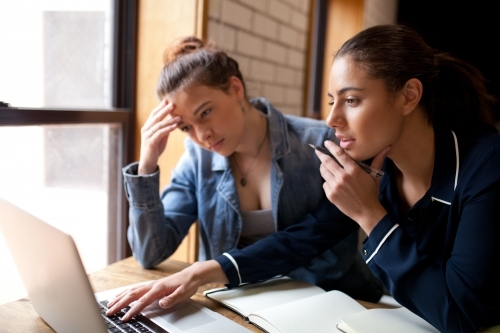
point(224, 152)
point(358, 157)
point(352, 155)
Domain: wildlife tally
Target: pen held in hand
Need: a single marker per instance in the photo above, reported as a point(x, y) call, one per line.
point(370, 170)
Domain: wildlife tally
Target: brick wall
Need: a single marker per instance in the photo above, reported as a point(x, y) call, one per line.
point(380, 12)
point(268, 38)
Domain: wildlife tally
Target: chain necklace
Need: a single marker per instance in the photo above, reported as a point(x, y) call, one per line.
point(243, 180)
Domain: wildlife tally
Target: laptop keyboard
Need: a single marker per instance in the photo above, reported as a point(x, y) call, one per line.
point(139, 323)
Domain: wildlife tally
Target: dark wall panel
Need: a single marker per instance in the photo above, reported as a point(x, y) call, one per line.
point(468, 30)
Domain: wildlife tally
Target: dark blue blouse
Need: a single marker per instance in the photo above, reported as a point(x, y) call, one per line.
point(438, 259)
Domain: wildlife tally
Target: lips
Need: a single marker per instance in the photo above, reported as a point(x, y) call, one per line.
point(345, 142)
point(216, 146)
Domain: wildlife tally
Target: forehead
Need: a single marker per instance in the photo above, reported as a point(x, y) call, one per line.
point(190, 93)
point(345, 73)
point(189, 98)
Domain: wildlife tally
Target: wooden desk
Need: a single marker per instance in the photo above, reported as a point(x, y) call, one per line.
point(20, 317)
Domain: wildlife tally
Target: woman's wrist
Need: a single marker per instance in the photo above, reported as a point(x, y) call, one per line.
point(209, 272)
point(143, 169)
point(371, 220)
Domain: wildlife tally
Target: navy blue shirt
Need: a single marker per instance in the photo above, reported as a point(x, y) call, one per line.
point(438, 259)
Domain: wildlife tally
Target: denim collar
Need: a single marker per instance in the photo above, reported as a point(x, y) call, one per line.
point(278, 134)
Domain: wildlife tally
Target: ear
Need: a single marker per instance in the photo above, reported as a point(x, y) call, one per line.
point(412, 93)
point(236, 87)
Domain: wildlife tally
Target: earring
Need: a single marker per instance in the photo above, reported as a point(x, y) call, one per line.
point(243, 109)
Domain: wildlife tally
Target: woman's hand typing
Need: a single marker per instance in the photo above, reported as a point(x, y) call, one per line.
point(170, 290)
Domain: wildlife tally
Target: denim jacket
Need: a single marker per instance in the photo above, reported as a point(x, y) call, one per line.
point(202, 189)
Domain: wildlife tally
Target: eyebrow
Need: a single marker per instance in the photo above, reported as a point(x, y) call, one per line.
point(200, 107)
point(181, 123)
point(343, 90)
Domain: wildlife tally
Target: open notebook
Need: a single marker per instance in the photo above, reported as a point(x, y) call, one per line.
point(285, 305)
point(58, 287)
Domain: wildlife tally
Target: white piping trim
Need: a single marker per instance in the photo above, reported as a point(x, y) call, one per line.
point(235, 265)
point(382, 242)
point(442, 201)
point(458, 159)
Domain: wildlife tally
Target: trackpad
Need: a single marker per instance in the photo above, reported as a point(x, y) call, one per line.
point(183, 315)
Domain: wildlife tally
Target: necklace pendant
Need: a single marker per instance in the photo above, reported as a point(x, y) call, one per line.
point(243, 181)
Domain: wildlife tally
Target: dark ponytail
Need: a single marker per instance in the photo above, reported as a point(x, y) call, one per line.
point(454, 92)
point(461, 101)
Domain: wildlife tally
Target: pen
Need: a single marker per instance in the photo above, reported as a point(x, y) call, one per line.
point(372, 171)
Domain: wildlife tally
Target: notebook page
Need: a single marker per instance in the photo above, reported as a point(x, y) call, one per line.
point(253, 297)
point(399, 320)
point(319, 313)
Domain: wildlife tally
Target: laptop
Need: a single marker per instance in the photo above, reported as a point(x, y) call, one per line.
point(56, 282)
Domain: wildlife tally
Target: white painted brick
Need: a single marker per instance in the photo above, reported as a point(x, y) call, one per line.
point(265, 26)
point(279, 10)
point(275, 94)
point(380, 12)
point(214, 9)
point(293, 96)
point(299, 20)
point(253, 88)
point(223, 36)
point(293, 3)
point(236, 14)
point(262, 70)
point(257, 4)
point(249, 44)
point(299, 79)
point(304, 5)
point(301, 41)
point(287, 35)
point(275, 52)
point(284, 75)
point(296, 59)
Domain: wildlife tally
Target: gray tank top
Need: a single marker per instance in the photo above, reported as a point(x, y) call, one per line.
point(257, 224)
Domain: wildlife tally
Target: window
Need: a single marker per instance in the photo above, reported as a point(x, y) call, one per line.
point(66, 83)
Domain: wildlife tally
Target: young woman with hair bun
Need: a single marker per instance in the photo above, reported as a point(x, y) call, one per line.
point(247, 174)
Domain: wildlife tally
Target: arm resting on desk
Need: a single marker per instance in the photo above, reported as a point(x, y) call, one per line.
point(283, 251)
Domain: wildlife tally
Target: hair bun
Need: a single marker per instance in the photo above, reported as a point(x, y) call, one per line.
point(182, 47)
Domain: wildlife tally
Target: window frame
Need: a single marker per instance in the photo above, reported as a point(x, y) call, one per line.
point(122, 112)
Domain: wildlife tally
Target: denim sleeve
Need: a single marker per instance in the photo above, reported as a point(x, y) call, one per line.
point(158, 224)
point(288, 249)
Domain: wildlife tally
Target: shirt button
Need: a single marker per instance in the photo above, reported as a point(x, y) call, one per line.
point(410, 219)
point(365, 252)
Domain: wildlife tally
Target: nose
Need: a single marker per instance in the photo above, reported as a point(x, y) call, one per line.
point(335, 118)
point(203, 133)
